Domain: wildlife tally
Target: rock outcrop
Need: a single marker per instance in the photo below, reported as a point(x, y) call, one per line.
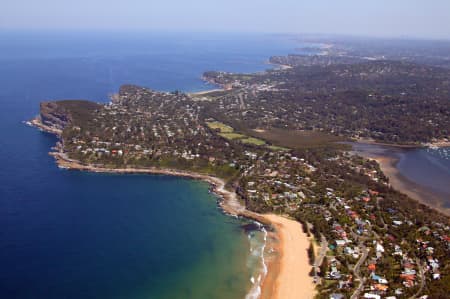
point(54, 115)
point(60, 114)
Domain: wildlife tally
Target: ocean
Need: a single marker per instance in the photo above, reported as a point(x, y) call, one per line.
point(69, 234)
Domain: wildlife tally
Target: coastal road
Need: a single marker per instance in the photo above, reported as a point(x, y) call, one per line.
point(241, 101)
point(356, 271)
point(422, 279)
point(355, 295)
point(385, 226)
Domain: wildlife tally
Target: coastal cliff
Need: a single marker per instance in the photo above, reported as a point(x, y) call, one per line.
point(54, 115)
point(59, 114)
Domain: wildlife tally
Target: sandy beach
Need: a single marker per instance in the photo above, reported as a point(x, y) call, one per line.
point(292, 280)
point(205, 92)
point(288, 275)
point(288, 271)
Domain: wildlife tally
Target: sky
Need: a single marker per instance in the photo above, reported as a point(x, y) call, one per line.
point(392, 18)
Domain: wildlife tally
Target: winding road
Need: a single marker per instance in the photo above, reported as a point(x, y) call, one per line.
point(422, 279)
point(357, 273)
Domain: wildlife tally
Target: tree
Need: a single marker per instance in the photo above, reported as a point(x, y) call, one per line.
point(324, 267)
point(311, 254)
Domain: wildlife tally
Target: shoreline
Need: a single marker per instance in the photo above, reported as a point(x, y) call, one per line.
point(289, 277)
point(408, 187)
point(37, 123)
point(279, 279)
point(205, 92)
point(387, 158)
point(404, 146)
point(278, 66)
point(288, 237)
point(230, 203)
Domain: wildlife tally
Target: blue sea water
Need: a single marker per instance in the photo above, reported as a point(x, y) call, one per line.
point(67, 234)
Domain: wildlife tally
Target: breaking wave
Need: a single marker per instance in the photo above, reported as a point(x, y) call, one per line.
point(258, 241)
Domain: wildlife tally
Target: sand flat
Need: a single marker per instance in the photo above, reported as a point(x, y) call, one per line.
point(408, 187)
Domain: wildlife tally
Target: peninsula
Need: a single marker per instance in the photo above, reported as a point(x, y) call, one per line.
point(268, 143)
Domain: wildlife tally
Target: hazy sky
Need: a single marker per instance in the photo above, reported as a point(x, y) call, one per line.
point(419, 18)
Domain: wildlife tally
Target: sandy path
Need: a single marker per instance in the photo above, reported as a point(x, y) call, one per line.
point(293, 280)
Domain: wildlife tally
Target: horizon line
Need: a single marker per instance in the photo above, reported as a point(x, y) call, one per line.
point(196, 31)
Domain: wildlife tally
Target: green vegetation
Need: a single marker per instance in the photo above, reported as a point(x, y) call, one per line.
point(232, 136)
point(295, 165)
point(287, 138)
point(227, 132)
point(277, 148)
point(311, 256)
point(389, 101)
point(252, 140)
point(223, 128)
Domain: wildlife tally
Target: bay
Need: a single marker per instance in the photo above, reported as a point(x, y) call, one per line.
point(66, 234)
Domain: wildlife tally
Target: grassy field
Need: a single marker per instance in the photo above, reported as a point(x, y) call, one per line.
point(228, 133)
point(232, 136)
point(295, 138)
point(253, 140)
point(278, 139)
point(223, 128)
point(277, 148)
